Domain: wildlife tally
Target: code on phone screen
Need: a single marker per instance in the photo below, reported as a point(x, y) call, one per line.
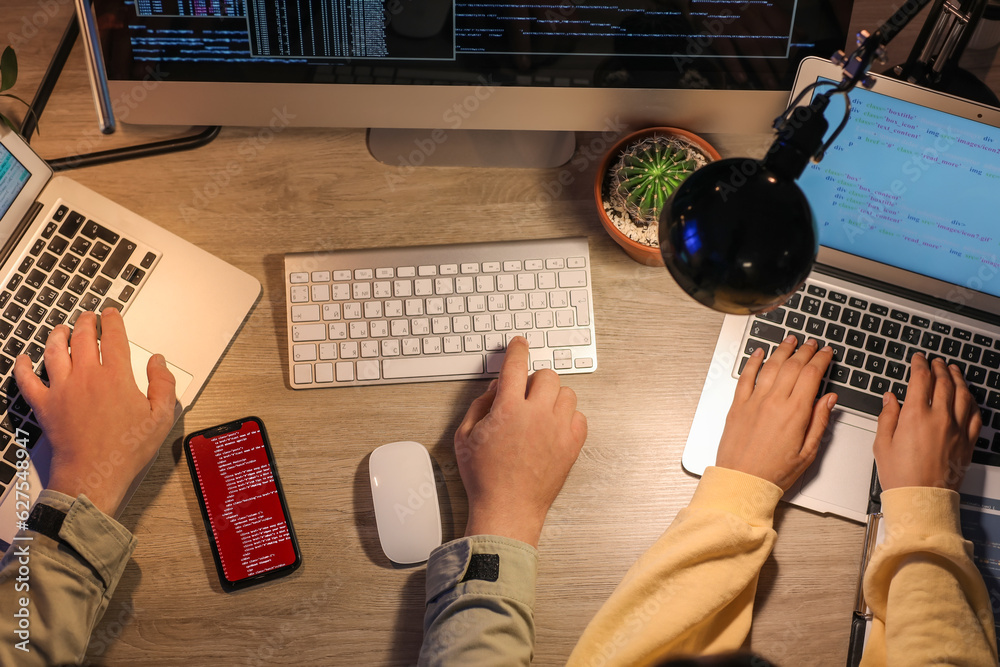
point(242, 502)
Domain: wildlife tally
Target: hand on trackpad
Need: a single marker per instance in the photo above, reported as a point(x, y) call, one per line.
point(140, 357)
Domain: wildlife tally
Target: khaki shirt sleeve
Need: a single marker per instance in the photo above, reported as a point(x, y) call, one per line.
point(53, 594)
point(480, 603)
point(928, 600)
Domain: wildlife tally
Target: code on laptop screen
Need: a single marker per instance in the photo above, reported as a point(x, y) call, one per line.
point(910, 187)
point(13, 176)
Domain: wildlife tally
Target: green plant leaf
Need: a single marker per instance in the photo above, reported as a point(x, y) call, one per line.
point(8, 69)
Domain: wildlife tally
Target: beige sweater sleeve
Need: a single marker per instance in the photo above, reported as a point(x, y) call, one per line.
point(928, 600)
point(693, 591)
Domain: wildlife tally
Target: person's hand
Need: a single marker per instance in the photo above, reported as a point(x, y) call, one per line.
point(102, 429)
point(929, 441)
point(515, 448)
point(774, 427)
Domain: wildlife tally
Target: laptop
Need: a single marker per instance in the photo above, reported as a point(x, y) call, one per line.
point(906, 204)
point(65, 249)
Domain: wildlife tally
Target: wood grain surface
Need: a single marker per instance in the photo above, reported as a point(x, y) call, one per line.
point(251, 196)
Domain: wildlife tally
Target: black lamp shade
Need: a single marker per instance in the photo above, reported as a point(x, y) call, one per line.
point(738, 237)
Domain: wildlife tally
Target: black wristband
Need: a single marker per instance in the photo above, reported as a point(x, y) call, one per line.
point(46, 520)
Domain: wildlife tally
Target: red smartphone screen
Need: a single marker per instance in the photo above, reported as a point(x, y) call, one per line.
point(242, 502)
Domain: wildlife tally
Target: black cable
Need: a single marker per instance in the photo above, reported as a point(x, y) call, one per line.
point(199, 137)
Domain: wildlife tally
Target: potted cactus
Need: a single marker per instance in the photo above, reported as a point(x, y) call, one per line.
point(635, 179)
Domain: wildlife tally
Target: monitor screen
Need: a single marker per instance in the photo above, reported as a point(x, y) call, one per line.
point(717, 44)
point(551, 45)
point(886, 191)
point(13, 176)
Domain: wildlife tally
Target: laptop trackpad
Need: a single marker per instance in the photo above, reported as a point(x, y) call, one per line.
point(842, 472)
point(140, 357)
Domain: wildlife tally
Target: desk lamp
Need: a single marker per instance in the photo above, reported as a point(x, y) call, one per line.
point(738, 235)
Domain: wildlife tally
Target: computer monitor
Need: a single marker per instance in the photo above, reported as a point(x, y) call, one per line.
point(459, 65)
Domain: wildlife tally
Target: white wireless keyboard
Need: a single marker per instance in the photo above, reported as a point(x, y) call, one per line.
point(429, 313)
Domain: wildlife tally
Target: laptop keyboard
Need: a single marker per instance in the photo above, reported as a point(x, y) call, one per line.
point(428, 313)
point(872, 344)
point(74, 264)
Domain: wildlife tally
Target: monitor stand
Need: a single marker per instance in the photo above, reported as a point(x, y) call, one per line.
point(408, 149)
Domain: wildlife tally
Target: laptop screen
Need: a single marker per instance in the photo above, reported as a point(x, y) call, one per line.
point(911, 187)
point(13, 176)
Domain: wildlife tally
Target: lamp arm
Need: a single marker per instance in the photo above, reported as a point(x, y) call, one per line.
point(871, 47)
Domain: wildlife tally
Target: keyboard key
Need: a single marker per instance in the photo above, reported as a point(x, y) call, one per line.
point(840, 373)
point(855, 338)
point(875, 365)
point(850, 317)
point(951, 347)
point(835, 332)
point(815, 326)
point(971, 353)
point(816, 290)
point(911, 336)
point(961, 334)
point(754, 344)
point(899, 390)
point(854, 358)
point(80, 246)
point(118, 258)
point(941, 328)
point(921, 322)
point(975, 374)
point(875, 344)
point(93, 230)
point(860, 379)
point(856, 400)
point(991, 359)
point(830, 311)
point(930, 341)
point(838, 297)
point(795, 321)
point(58, 245)
point(879, 309)
point(879, 386)
point(810, 305)
point(775, 316)
point(899, 315)
point(413, 367)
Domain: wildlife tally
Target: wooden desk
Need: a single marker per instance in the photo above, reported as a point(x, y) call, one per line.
point(249, 197)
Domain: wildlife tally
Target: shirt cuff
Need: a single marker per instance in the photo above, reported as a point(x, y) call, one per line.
point(515, 575)
point(921, 511)
point(103, 543)
point(747, 496)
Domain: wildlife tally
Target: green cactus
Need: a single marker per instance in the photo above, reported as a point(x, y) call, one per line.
point(648, 173)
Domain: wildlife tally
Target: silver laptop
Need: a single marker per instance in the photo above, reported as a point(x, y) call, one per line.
point(65, 249)
point(907, 203)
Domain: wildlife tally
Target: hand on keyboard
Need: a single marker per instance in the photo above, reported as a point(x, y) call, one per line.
point(515, 448)
point(774, 427)
point(929, 441)
point(103, 431)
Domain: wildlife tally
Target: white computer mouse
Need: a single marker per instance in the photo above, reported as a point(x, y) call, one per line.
point(406, 502)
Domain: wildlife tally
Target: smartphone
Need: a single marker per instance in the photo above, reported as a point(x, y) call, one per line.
point(242, 503)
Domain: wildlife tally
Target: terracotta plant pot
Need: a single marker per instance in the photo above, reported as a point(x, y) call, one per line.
point(644, 254)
